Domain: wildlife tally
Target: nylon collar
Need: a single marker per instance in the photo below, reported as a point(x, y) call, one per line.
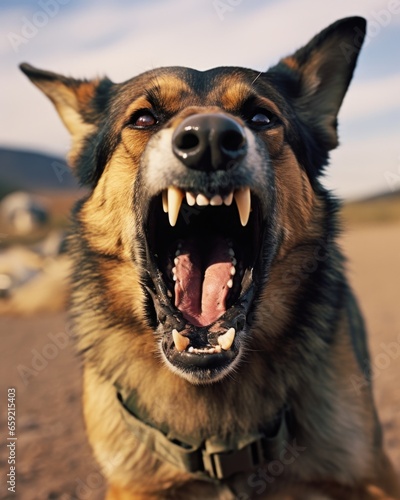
point(213, 458)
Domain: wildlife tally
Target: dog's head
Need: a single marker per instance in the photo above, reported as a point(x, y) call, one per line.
point(200, 182)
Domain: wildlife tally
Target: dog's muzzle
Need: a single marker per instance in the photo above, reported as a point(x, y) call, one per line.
point(204, 229)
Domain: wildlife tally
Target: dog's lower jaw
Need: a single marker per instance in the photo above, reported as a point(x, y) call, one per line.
point(203, 376)
point(200, 354)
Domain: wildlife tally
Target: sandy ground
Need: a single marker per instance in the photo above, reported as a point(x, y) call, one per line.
point(53, 458)
point(374, 271)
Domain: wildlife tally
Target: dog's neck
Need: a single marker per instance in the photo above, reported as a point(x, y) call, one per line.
point(213, 457)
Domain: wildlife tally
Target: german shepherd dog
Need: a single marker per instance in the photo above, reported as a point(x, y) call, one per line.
point(224, 353)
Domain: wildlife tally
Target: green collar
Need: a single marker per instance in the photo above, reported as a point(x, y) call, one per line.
point(213, 458)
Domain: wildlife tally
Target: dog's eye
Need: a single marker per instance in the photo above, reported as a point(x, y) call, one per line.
point(143, 119)
point(261, 119)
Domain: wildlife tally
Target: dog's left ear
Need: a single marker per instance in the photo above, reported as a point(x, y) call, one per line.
point(75, 100)
point(319, 74)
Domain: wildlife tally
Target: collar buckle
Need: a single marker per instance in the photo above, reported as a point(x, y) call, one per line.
point(221, 463)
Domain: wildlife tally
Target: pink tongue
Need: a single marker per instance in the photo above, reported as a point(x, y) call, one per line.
point(201, 281)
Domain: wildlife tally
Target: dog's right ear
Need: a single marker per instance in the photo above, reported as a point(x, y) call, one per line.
point(317, 77)
point(75, 101)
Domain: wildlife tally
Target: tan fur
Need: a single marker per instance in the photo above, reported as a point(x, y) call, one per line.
point(231, 92)
point(69, 102)
point(107, 218)
point(339, 454)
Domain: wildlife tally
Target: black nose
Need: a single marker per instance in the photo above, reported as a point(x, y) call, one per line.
point(210, 141)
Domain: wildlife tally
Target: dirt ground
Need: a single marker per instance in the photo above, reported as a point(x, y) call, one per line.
point(53, 458)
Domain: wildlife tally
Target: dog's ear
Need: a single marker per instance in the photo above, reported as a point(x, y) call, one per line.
point(78, 102)
point(319, 73)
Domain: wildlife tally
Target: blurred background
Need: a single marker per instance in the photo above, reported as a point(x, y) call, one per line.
point(121, 39)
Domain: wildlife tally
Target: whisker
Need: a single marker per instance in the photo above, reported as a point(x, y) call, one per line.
point(256, 78)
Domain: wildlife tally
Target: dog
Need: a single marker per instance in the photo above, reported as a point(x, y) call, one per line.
point(219, 336)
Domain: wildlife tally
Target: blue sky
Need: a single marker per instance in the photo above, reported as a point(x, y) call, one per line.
point(123, 38)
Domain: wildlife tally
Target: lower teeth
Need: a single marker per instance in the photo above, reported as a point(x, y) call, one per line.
point(204, 350)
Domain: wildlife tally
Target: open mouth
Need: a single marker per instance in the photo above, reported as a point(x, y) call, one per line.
point(202, 254)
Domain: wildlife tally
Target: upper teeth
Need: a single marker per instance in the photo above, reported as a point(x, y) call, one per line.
point(216, 200)
point(172, 200)
point(242, 197)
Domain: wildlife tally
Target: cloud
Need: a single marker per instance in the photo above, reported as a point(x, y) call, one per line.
point(193, 32)
point(372, 97)
point(362, 167)
point(124, 38)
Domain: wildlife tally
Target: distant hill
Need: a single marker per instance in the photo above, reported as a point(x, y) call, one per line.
point(33, 172)
point(387, 195)
point(377, 209)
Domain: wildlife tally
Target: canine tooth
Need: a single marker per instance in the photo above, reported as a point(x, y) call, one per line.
point(175, 197)
point(216, 200)
point(229, 284)
point(226, 340)
point(243, 202)
point(233, 271)
point(202, 200)
point(180, 341)
point(165, 201)
point(191, 199)
point(228, 199)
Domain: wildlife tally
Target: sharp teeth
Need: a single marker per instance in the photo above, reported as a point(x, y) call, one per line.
point(234, 261)
point(202, 200)
point(165, 201)
point(175, 197)
point(233, 271)
point(229, 284)
point(172, 200)
point(226, 340)
point(176, 261)
point(205, 350)
point(180, 341)
point(228, 199)
point(243, 202)
point(216, 200)
point(191, 199)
